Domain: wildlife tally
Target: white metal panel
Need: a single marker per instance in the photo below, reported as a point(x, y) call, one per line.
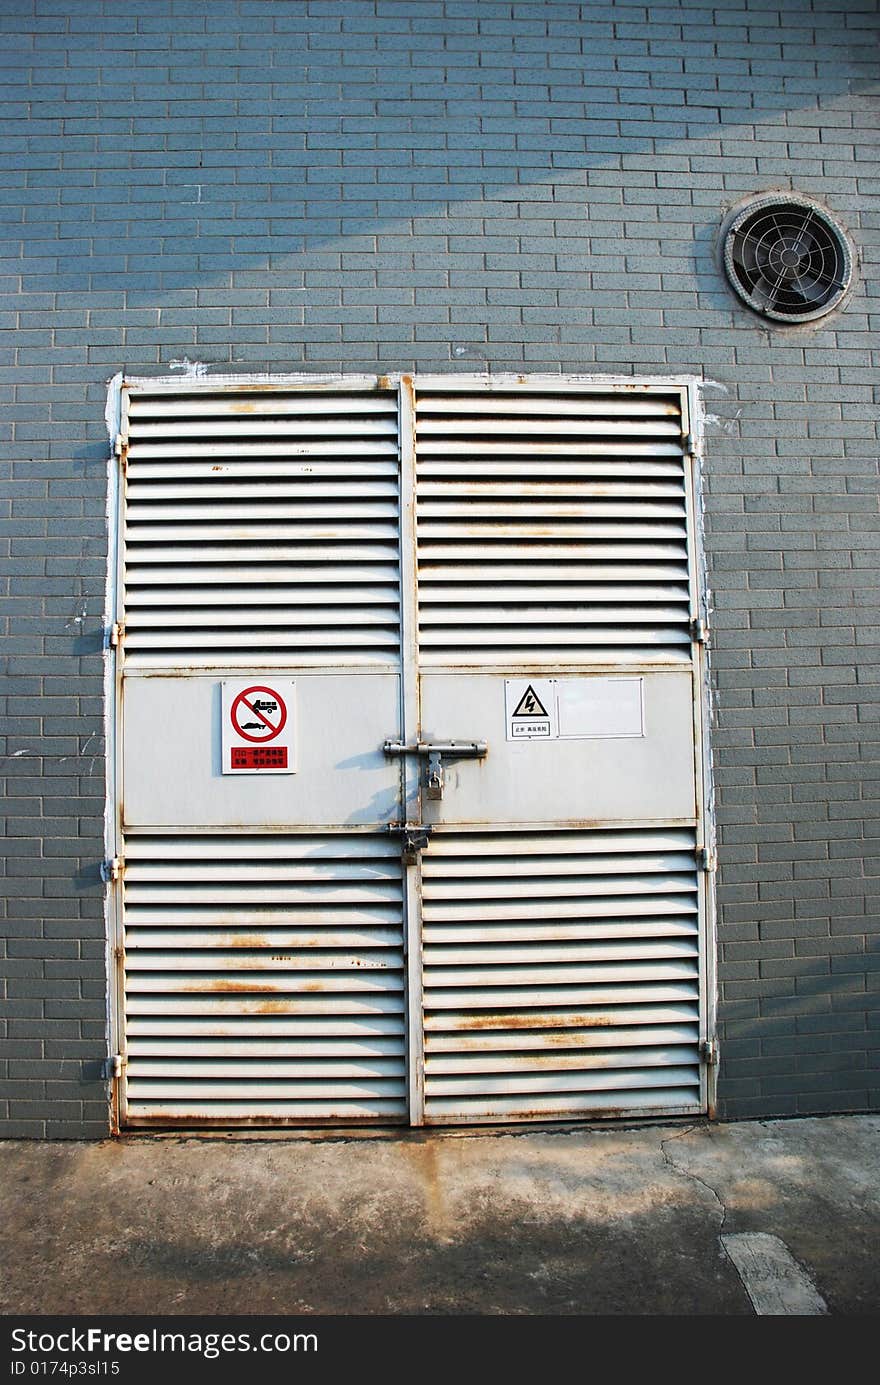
point(260, 527)
point(264, 979)
point(533, 781)
point(552, 527)
point(561, 974)
point(173, 771)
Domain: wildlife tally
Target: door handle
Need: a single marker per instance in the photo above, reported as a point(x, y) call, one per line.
point(434, 751)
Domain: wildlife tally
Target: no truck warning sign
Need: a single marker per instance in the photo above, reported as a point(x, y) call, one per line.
point(258, 722)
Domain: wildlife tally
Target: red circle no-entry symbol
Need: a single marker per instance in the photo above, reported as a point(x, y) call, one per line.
point(258, 714)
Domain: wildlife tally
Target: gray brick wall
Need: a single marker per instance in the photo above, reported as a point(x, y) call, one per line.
point(343, 184)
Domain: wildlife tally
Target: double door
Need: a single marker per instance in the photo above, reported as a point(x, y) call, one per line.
point(409, 794)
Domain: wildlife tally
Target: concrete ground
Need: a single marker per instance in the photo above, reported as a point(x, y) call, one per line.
point(768, 1217)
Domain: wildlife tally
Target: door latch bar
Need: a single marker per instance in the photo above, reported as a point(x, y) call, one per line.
point(434, 752)
point(462, 750)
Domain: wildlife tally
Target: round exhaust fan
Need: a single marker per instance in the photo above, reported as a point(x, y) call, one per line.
point(786, 258)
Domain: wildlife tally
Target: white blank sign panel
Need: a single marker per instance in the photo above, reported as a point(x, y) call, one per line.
point(600, 707)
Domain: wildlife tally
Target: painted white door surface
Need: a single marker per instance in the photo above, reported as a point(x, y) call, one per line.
point(409, 795)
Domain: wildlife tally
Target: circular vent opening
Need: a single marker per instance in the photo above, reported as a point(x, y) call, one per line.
point(787, 259)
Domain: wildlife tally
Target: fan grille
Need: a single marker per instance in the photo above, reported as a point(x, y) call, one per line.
point(787, 259)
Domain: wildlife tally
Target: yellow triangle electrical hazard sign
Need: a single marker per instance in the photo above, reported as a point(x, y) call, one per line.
point(530, 705)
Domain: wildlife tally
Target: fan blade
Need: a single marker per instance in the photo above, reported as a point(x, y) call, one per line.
point(807, 244)
point(747, 256)
point(811, 289)
point(765, 289)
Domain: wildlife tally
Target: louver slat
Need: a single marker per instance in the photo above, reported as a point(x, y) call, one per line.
point(264, 979)
point(261, 529)
point(551, 526)
point(530, 404)
point(556, 985)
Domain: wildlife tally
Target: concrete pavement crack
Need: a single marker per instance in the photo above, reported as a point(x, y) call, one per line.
point(686, 1173)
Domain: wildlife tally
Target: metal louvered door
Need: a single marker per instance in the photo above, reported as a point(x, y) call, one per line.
point(259, 938)
point(564, 901)
point(409, 803)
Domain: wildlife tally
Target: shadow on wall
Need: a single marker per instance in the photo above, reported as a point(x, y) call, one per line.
point(796, 1047)
point(431, 190)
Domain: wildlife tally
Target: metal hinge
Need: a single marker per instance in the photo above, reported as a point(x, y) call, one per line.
point(705, 858)
point(119, 445)
point(112, 870)
point(699, 630)
point(709, 1052)
point(113, 1067)
point(114, 634)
